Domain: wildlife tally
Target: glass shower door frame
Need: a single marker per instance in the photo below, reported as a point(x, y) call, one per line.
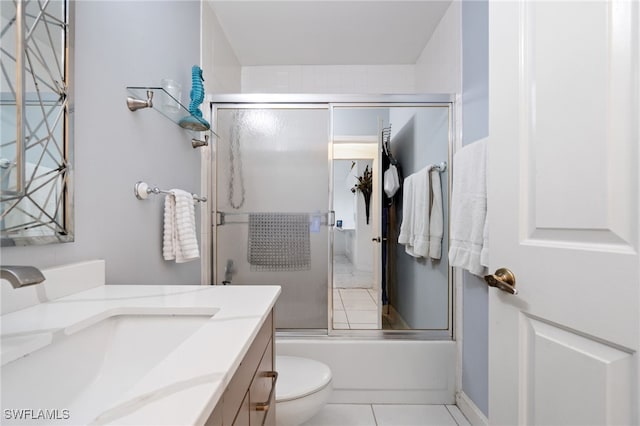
point(215, 275)
point(295, 101)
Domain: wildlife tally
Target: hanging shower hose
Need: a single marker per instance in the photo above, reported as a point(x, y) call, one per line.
point(234, 157)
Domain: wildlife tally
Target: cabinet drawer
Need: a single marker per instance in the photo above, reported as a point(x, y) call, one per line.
point(241, 380)
point(235, 405)
point(262, 390)
point(242, 419)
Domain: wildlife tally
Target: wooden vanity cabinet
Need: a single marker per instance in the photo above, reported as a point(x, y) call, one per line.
point(249, 399)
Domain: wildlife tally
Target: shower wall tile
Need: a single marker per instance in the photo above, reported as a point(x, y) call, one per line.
point(335, 79)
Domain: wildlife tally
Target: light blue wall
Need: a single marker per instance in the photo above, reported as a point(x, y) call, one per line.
point(120, 43)
point(358, 121)
point(419, 138)
point(475, 126)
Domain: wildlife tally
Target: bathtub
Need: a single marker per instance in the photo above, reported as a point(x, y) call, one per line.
point(381, 371)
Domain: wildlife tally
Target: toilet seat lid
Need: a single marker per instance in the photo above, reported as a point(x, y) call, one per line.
point(299, 377)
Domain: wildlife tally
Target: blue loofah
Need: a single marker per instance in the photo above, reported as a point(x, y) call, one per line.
point(195, 121)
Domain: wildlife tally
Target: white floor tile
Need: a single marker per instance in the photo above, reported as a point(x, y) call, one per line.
point(413, 415)
point(343, 415)
point(339, 316)
point(365, 326)
point(355, 295)
point(362, 317)
point(458, 416)
point(353, 301)
point(345, 275)
point(359, 305)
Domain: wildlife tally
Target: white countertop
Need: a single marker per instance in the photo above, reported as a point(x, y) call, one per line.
point(184, 387)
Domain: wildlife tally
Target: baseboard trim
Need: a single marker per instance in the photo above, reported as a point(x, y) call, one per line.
point(387, 396)
point(471, 410)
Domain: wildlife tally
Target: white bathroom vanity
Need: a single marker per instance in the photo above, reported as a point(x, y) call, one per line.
point(137, 354)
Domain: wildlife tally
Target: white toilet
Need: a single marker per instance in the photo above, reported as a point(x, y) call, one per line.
point(302, 389)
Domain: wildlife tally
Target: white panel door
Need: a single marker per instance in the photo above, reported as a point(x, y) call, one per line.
point(563, 193)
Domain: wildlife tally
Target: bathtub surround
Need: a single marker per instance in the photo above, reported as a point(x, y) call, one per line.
point(422, 372)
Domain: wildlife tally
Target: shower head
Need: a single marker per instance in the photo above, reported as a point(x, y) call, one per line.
point(194, 123)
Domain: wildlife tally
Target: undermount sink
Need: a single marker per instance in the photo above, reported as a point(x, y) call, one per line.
point(86, 369)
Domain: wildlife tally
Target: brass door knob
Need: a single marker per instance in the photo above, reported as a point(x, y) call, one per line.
point(502, 279)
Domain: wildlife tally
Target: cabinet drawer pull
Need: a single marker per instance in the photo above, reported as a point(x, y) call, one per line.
point(264, 406)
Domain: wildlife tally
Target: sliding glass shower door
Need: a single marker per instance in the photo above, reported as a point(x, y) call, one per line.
point(271, 206)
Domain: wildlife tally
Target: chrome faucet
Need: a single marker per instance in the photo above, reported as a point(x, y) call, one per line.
point(21, 276)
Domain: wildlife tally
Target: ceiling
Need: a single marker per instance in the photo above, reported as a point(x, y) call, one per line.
point(330, 32)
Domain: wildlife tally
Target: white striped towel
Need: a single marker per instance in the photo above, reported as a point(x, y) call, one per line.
point(436, 219)
point(414, 230)
point(179, 239)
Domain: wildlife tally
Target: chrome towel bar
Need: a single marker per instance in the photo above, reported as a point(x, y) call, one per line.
point(142, 190)
point(440, 167)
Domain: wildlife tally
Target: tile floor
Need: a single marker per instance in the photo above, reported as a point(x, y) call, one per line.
point(355, 309)
point(355, 301)
point(388, 415)
point(346, 276)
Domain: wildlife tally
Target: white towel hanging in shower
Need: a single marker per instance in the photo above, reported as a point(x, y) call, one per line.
point(436, 219)
point(415, 227)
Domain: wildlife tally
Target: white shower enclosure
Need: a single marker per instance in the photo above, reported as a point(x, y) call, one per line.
point(272, 160)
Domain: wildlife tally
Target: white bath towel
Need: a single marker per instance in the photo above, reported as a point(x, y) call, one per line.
point(421, 216)
point(406, 227)
point(414, 230)
point(436, 224)
point(469, 232)
point(179, 239)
